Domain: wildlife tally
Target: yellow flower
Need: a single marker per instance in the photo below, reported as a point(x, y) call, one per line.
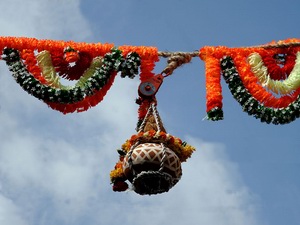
point(126, 146)
point(116, 173)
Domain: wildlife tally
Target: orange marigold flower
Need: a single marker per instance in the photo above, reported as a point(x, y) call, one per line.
point(152, 133)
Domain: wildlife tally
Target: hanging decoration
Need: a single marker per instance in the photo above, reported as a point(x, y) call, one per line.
point(39, 65)
point(151, 159)
point(265, 81)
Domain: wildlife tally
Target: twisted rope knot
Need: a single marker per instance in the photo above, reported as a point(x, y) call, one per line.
point(176, 59)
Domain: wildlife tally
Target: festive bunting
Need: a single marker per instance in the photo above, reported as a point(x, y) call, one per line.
point(265, 80)
point(39, 65)
point(266, 76)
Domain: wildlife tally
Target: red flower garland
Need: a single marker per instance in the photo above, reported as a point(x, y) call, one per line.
point(259, 92)
point(279, 71)
point(63, 67)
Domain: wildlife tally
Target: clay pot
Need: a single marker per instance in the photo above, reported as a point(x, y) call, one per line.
point(145, 174)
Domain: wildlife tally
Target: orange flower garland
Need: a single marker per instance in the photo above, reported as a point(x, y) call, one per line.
point(278, 70)
point(213, 83)
point(63, 53)
point(149, 56)
point(31, 64)
point(71, 60)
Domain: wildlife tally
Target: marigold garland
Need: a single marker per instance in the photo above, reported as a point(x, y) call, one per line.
point(149, 56)
point(285, 68)
point(269, 73)
point(250, 104)
point(67, 99)
point(31, 64)
point(265, 80)
point(254, 87)
point(44, 62)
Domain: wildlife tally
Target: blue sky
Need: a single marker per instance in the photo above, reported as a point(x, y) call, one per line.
point(54, 168)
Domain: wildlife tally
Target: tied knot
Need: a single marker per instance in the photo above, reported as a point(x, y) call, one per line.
point(175, 60)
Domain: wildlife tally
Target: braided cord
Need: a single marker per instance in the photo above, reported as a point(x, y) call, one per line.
point(163, 159)
point(130, 162)
point(143, 124)
point(156, 117)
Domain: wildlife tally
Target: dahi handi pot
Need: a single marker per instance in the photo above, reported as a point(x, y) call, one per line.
point(152, 168)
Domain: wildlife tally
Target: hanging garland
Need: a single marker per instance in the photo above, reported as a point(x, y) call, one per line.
point(265, 80)
point(97, 79)
point(39, 65)
point(269, 74)
point(250, 104)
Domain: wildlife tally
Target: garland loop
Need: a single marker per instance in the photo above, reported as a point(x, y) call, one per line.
point(95, 82)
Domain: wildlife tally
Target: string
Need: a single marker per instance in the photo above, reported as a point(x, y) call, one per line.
point(167, 54)
point(176, 59)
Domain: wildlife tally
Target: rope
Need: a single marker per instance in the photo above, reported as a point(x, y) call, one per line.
point(143, 124)
point(157, 121)
point(281, 45)
point(163, 159)
point(167, 54)
point(176, 59)
point(156, 117)
point(130, 157)
point(152, 108)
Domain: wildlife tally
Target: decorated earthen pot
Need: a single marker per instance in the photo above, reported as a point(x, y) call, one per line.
point(152, 170)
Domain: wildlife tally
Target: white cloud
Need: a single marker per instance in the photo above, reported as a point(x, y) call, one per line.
point(58, 19)
point(54, 168)
point(9, 212)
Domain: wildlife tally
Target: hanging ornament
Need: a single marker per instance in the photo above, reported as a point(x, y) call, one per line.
point(151, 159)
point(264, 80)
